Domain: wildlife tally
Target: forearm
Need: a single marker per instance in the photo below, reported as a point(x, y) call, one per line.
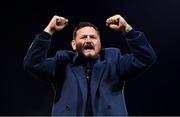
point(140, 48)
point(37, 52)
point(142, 55)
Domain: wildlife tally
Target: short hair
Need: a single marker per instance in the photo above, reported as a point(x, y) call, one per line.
point(82, 25)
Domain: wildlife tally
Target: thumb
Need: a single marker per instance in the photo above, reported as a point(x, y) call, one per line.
point(113, 26)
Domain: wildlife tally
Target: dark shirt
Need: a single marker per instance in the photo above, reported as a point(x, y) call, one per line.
point(88, 66)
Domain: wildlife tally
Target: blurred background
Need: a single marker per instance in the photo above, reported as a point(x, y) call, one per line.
point(156, 92)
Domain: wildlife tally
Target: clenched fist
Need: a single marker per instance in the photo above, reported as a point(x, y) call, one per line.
point(117, 22)
point(57, 23)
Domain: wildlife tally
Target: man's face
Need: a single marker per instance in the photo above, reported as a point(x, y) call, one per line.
point(87, 42)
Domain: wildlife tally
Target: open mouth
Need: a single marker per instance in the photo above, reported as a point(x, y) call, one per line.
point(88, 48)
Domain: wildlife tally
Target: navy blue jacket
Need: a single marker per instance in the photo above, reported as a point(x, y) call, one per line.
point(110, 70)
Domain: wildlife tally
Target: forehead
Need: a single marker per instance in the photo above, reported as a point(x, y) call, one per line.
point(87, 31)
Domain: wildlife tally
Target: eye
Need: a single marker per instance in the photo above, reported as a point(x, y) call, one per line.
point(83, 37)
point(93, 37)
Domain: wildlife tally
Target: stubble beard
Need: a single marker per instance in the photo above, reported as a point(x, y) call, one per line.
point(80, 49)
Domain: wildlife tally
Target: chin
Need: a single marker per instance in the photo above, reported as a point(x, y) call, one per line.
point(87, 55)
point(90, 56)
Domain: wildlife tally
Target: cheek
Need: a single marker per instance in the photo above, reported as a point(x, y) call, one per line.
point(98, 46)
point(79, 46)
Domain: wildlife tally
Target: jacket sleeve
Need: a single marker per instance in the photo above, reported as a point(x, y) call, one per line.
point(36, 60)
point(142, 55)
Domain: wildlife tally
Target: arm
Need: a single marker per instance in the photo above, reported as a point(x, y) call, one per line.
point(142, 55)
point(36, 60)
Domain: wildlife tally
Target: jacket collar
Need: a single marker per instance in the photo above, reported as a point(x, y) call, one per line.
point(77, 60)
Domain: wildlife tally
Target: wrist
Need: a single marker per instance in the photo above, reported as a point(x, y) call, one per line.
point(128, 28)
point(49, 31)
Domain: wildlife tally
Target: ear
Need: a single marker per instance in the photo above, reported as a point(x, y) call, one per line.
point(73, 44)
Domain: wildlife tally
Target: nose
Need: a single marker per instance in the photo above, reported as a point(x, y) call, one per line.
point(88, 39)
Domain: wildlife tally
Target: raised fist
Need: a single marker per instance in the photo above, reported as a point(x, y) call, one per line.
point(117, 22)
point(57, 23)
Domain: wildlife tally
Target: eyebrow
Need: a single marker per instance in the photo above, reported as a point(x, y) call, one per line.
point(87, 35)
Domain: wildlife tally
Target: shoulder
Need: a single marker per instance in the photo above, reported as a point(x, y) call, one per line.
point(110, 53)
point(65, 55)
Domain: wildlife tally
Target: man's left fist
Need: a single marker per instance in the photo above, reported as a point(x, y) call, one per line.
point(117, 22)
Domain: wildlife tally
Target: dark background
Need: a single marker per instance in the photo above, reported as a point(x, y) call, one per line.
point(156, 92)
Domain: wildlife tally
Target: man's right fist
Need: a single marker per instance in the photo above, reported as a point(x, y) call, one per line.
point(57, 23)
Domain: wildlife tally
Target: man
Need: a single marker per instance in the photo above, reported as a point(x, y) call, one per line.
point(90, 80)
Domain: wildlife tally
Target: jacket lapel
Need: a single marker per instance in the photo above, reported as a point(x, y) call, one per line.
point(80, 76)
point(97, 73)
